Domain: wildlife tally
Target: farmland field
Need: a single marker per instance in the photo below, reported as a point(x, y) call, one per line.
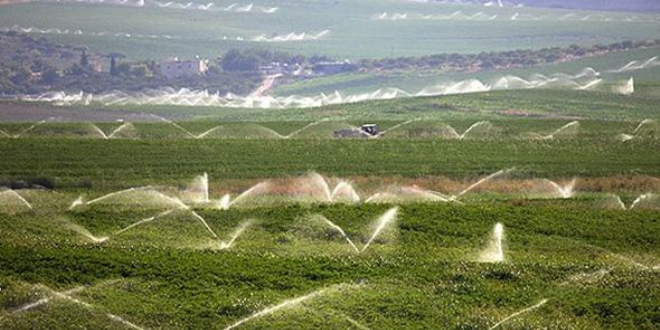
point(216, 221)
point(607, 67)
point(526, 197)
point(355, 29)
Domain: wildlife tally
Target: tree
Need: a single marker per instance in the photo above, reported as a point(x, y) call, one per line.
point(123, 69)
point(84, 57)
point(113, 62)
point(140, 71)
point(235, 60)
point(76, 70)
point(49, 76)
point(21, 76)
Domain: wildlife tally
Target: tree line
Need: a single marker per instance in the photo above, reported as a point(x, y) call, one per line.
point(32, 66)
point(520, 58)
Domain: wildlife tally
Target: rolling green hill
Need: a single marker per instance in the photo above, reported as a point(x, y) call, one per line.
point(355, 29)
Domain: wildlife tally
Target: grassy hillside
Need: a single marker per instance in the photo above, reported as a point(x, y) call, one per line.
point(607, 66)
point(355, 29)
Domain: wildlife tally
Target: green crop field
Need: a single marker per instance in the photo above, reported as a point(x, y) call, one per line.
point(355, 29)
point(567, 265)
point(606, 66)
point(535, 207)
point(201, 223)
point(543, 103)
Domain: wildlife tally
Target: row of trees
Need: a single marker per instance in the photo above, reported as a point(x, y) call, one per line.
point(499, 60)
point(32, 66)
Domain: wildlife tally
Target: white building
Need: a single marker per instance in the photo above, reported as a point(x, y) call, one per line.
point(173, 68)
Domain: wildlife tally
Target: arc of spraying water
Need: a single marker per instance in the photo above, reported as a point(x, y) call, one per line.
point(434, 195)
point(373, 197)
point(472, 127)
point(639, 200)
point(243, 195)
point(78, 201)
point(143, 221)
point(397, 126)
point(589, 84)
point(383, 221)
point(66, 295)
point(104, 197)
point(112, 317)
point(44, 301)
point(620, 202)
point(200, 184)
point(207, 132)
point(17, 195)
point(641, 124)
point(341, 231)
point(634, 204)
point(494, 252)
point(320, 180)
point(170, 199)
point(476, 184)
point(343, 185)
point(563, 128)
point(83, 231)
point(27, 130)
point(526, 310)
point(199, 217)
point(287, 303)
point(119, 129)
point(237, 232)
point(99, 131)
point(177, 126)
point(298, 131)
point(564, 191)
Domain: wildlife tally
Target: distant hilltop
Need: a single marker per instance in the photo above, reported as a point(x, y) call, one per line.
point(620, 5)
point(617, 5)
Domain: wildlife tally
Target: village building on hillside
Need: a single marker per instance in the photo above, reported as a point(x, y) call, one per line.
point(277, 68)
point(331, 68)
point(174, 68)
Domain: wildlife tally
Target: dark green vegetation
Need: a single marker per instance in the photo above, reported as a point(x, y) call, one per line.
point(584, 262)
point(30, 65)
point(120, 162)
point(421, 273)
point(72, 154)
point(500, 60)
point(595, 263)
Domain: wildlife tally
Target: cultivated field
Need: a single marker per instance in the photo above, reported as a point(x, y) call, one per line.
point(356, 29)
point(533, 202)
point(461, 215)
point(603, 73)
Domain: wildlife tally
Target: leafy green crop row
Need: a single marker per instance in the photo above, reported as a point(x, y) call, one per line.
point(583, 261)
point(114, 163)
